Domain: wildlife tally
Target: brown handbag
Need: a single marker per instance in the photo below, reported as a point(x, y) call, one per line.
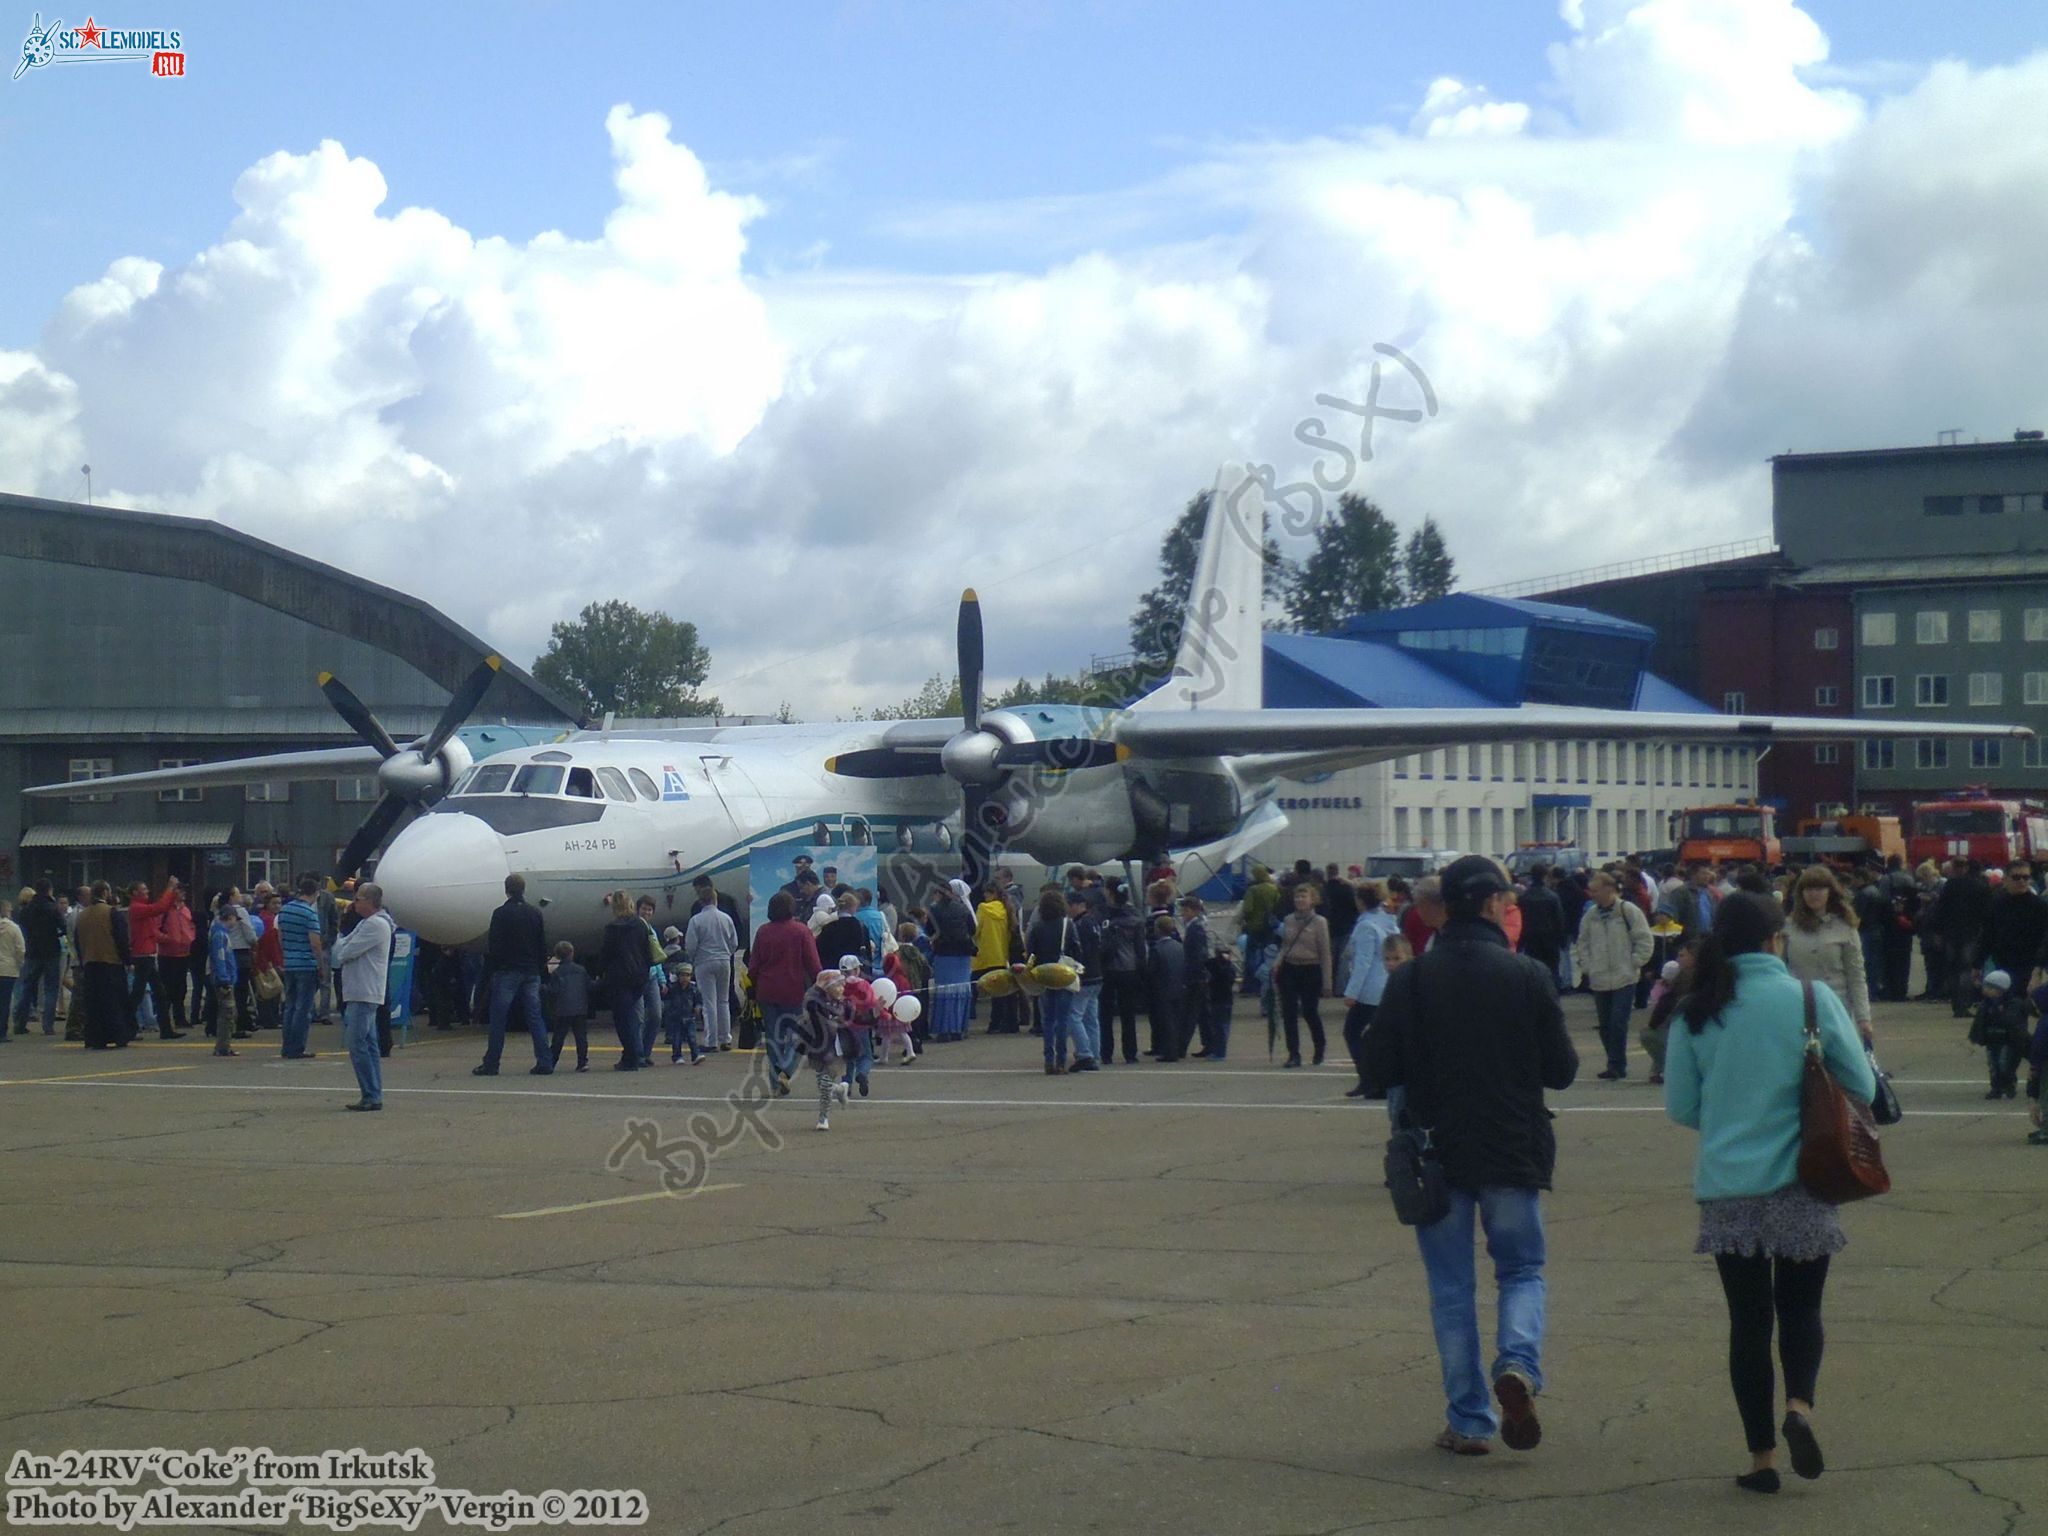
point(1839, 1158)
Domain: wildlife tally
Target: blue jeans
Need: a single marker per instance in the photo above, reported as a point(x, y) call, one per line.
point(47, 974)
point(359, 1028)
point(778, 1028)
point(1056, 1012)
point(519, 989)
point(1513, 1222)
point(299, 987)
point(1088, 1024)
point(860, 1054)
point(1612, 1009)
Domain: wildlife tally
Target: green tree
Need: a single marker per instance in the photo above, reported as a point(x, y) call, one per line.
point(938, 699)
point(1355, 567)
point(617, 659)
point(1427, 570)
point(1055, 690)
point(1156, 624)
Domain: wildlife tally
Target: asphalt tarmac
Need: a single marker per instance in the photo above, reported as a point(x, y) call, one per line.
point(1155, 1298)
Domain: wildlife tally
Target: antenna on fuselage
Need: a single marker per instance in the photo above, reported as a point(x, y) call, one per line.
point(604, 732)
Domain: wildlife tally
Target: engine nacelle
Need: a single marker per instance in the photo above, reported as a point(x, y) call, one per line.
point(421, 781)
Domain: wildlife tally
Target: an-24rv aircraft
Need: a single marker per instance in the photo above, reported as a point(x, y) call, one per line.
point(1193, 765)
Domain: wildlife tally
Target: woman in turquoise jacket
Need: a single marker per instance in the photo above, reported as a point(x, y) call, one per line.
point(1733, 1073)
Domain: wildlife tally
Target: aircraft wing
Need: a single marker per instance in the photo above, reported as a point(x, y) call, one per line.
point(1321, 739)
point(275, 768)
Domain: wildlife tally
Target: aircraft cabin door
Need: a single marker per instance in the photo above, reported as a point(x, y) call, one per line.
point(743, 803)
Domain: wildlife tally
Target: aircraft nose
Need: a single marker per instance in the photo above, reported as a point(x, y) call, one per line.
point(443, 876)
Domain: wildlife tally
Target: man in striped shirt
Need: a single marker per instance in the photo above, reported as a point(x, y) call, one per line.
point(298, 927)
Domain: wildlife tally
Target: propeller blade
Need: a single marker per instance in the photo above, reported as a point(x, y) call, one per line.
point(462, 705)
point(373, 831)
point(983, 829)
point(1061, 752)
point(885, 763)
point(357, 714)
point(969, 637)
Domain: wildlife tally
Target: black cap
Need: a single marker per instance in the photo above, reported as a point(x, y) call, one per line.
point(1470, 880)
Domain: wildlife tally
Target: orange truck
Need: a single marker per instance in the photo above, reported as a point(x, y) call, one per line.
point(1842, 839)
point(1727, 834)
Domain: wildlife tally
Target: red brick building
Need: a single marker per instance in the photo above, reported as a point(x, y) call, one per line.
point(1767, 647)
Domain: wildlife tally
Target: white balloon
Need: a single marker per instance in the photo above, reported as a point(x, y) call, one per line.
point(907, 1009)
point(885, 991)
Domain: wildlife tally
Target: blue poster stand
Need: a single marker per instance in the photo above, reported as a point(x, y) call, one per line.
point(398, 983)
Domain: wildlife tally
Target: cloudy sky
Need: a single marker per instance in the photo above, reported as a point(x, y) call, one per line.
point(793, 326)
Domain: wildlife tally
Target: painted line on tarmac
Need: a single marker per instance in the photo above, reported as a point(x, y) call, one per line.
point(592, 1205)
point(543, 1095)
point(546, 1095)
point(81, 1077)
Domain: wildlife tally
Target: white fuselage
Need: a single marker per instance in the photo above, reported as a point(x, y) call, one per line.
point(589, 816)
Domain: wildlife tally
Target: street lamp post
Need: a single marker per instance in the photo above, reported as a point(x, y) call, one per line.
point(86, 470)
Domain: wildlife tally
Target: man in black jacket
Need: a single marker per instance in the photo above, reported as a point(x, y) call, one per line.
point(1543, 930)
point(1470, 1035)
point(42, 970)
point(2015, 926)
point(514, 958)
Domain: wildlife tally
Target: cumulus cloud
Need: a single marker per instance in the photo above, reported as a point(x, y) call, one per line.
point(1696, 252)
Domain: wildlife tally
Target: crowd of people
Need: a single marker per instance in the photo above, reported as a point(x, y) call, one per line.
point(1452, 986)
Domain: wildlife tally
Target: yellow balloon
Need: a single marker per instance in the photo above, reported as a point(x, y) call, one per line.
point(997, 984)
point(1055, 977)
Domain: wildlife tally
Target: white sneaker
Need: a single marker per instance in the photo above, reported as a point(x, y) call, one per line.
point(842, 1090)
point(824, 1124)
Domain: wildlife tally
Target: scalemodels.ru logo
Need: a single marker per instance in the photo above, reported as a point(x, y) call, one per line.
point(162, 49)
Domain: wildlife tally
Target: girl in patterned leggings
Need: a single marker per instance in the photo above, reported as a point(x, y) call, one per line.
point(819, 1031)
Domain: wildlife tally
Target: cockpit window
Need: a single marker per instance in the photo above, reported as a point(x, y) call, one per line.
point(537, 779)
point(490, 779)
point(462, 784)
point(644, 784)
point(582, 784)
point(551, 757)
point(615, 784)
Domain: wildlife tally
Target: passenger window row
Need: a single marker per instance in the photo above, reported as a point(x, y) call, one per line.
point(552, 779)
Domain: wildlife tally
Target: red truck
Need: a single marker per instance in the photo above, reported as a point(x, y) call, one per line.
point(1970, 824)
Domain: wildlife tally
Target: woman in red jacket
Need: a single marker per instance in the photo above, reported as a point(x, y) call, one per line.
point(269, 957)
point(175, 940)
point(783, 961)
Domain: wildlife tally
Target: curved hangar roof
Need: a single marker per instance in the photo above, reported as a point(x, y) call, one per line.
point(209, 639)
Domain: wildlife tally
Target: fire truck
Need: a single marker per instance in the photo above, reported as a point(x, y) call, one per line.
point(1970, 824)
point(1727, 834)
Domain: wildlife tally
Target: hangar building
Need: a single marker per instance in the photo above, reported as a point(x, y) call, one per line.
point(134, 640)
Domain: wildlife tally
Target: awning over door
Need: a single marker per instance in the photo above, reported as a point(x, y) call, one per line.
point(130, 834)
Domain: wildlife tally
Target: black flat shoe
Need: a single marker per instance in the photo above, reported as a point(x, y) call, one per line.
point(1765, 1481)
point(1355, 1093)
point(1805, 1449)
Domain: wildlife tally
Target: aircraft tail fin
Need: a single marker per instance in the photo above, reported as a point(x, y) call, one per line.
point(1220, 662)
